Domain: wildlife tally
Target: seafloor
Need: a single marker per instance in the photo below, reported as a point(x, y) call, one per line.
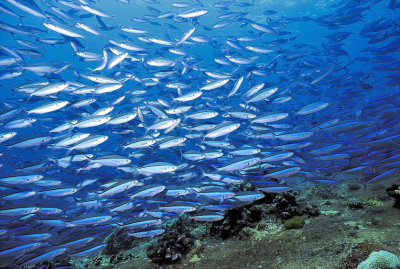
point(353, 221)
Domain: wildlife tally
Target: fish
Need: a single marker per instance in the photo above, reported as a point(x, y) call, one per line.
point(95, 11)
point(193, 13)
point(50, 89)
point(312, 108)
point(214, 85)
point(89, 142)
point(157, 168)
point(89, 251)
point(207, 216)
point(61, 30)
point(148, 233)
point(89, 221)
point(7, 136)
point(248, 196)
point(239, 164)
point(20, 179)
point(49, 255)
point(19, 195)
point(143, 223)
point(49, 107)
point(258, 96)
point(119, 188)
point(29, 7)
point(185, 36)
point(59, 192)
point(20, 249)
point(222, 129)
point(19, 211)
point(148, 191)
point(92, 121)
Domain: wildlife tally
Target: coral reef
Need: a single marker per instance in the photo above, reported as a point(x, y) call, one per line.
point(380, 260)
point(282, 206)
point(339, 238)
point(394, 192)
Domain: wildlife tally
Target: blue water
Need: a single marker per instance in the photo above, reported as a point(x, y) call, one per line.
point(341, 57)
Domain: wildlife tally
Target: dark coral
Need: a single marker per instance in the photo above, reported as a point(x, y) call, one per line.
point(394, 192)
point(174, 244)
point(51, 265)
point(114, 259)
point(285, 206)
point(243, 187)
point(235, 220)
point(355, 203)
point(119, 241)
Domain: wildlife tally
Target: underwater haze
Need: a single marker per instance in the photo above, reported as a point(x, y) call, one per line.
point(124, 115)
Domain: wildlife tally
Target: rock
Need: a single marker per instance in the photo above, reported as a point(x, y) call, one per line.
point(295, 222)
point(359, 253)
point(380, 260)
point(353, 186)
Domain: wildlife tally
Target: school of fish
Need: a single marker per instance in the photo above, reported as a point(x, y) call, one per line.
point(140, 118)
